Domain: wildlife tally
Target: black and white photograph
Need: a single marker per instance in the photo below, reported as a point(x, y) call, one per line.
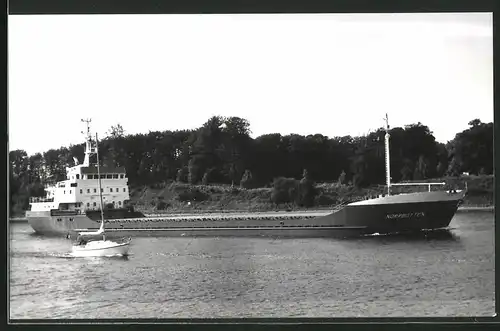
point(182, 166)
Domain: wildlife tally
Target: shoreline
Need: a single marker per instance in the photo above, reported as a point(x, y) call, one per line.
point(290, 212)
point(314, 212)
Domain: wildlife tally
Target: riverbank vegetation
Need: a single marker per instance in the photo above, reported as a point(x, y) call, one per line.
point(220, 167)
point(181, 197)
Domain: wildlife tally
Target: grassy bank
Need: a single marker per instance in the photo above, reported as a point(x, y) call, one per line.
point(179, 197)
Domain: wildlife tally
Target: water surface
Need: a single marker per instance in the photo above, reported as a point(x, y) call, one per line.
point(441, 274)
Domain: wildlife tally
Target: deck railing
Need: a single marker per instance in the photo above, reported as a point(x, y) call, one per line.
point(339, 206)
point(419, 184)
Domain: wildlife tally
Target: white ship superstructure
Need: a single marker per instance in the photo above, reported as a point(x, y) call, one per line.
point(79, 192)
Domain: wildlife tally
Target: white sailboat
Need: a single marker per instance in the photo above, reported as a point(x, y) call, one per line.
point(88, 247)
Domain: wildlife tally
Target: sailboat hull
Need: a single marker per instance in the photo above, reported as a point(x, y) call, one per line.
point(101, 248)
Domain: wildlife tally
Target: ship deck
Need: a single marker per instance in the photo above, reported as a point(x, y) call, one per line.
point(417, 197)
point(224, 217)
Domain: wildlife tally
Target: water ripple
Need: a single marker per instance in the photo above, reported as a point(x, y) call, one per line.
point(428, 275)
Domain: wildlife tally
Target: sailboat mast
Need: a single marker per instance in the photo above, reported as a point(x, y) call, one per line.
point(387, 156)
point(99, 179)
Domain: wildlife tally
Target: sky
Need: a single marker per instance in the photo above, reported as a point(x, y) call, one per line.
point(333, 74)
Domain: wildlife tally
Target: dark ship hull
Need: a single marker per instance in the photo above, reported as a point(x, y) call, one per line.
point(405, 212)
point(390, 214)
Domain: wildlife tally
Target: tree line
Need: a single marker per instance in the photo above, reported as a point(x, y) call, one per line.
point(222, 151)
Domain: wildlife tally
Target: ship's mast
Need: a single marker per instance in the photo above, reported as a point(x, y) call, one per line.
point(89, 150)
point(387, 156)
point(100, 189)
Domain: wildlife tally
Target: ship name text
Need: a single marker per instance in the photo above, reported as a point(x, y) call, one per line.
point(405, 215)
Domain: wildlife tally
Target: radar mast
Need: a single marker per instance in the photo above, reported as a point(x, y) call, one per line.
point(89, 148)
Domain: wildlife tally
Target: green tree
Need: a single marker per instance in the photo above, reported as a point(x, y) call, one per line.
point(284, 190)
point(247, 180)
point(406, 171)
point(19, 165)
point(420, 169)
point(269, 159)
point(204, 180)
point(341, 179)
point(306, 191)
point(236, 143)
point(454, 168)
point(182, 175)
point(116, 131)
point(441, 169)
point(19, 177)
point(472, 148)
point(195, 169)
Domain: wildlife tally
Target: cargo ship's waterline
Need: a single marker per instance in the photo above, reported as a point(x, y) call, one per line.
point(72, 205)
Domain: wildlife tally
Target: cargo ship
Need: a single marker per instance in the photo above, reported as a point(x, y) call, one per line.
point(72, 205)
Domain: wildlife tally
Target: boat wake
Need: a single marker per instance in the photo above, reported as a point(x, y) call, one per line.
point(112, 256)
point(65, 255)
point(41, 255)
point(435, 234)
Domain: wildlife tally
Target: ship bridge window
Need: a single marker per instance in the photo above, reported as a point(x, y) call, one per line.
point(88, 190)
point(94, 204)
point(88, 204)
point(110, 189)
point(122, 175)
point(119, 203)
point(109, 176)
point(95, 190)
point(74, 184)
point(77, 176)
point(103, 176)
point(81, 191)
point(124, 189)
point(115, 176)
